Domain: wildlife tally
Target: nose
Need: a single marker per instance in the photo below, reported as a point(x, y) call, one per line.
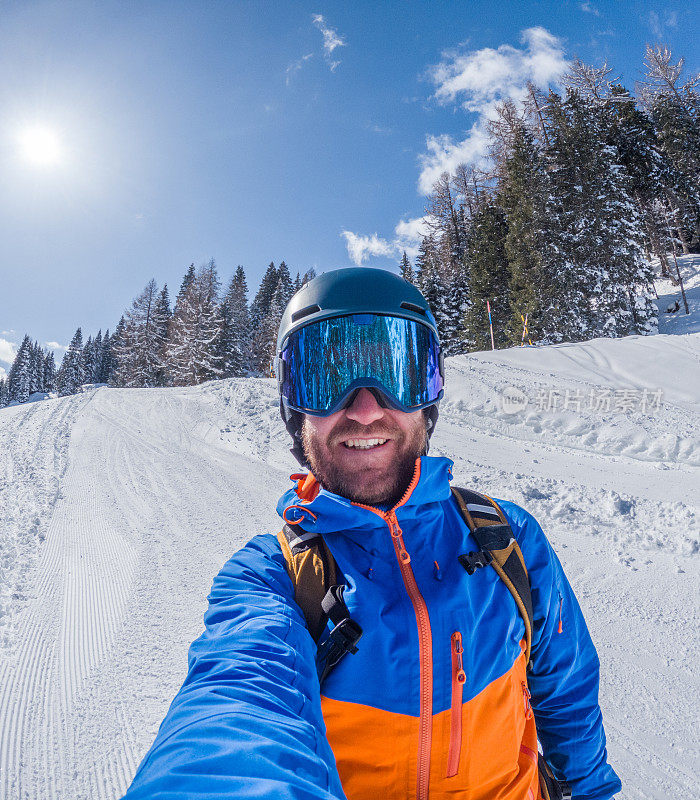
point(364, 408)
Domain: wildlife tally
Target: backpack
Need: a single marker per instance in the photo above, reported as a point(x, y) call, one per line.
point(318, 592)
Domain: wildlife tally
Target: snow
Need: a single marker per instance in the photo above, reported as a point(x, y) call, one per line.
point(120, 505)
point(679, 322)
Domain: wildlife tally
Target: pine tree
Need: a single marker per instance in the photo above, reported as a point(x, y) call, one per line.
point(4, 393)
point(524, 193)
point(234, 344)
point(20, 378)
point(49, 372)
point(187, 281)
point(193, 351)
point(260, 306)
point(406, 269)
point(161, 325)
point(603, 286)
point(110, 365)
point(488, 279)
point(284, 282)
point(36, 369)
point(140, 351)
point(71, 374)
point(265, 337)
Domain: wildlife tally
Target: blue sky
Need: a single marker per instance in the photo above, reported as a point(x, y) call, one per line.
point(253, 132)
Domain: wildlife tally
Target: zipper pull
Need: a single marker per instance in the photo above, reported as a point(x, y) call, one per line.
point(460, 674)
point(396, 532)
point(526, 700)
point(436, 571)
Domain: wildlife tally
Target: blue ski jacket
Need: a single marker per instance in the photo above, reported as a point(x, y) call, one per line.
point(437, 702)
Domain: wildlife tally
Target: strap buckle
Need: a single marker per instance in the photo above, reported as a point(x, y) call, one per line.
point(473, 561)
point(341, 640)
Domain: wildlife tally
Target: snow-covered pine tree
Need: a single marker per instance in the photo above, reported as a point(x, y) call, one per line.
point(454, 306)
point(192, 354)
point(37, 371)
point(110, 365)
point(20, 378)
point(430, 281)
point(284, 282)
point(234, 343)
point(71, 374)
point(4, 393)
point(49, 372)
point(161, 325)
point(674, 105)
point(265, 337)
point(605, 281)
point(95, 359)
point(260, 306)
point(89, 358)
point(489, 278)
point(406, 269)
point(139, 351)
point(187, 281)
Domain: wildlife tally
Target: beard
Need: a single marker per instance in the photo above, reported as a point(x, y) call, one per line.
point(366, 484)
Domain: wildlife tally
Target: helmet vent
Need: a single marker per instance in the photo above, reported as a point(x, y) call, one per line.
point(304, 312)
point(412, 307)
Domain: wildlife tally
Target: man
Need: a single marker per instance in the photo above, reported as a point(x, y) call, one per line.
point(437, 701)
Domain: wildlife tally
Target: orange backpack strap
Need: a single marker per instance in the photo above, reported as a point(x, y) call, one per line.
point(490, 528)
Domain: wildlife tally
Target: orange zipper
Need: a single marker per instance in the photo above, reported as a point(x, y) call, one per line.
point(425, 640)
point(459, 676)
point(526, 701)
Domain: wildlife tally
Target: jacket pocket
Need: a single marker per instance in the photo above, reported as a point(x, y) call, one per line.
point(459, 678)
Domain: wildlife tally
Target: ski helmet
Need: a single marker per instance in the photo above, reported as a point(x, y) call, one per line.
point(360, 293)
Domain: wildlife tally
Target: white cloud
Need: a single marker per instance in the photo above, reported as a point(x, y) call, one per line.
point(8, 351)
point(408, 235)
point(444, 154)
point(478, 80)
point(295, 66)
point(589, 8)
point(6, 333)
point(360, 248)
point(56, 346)
point(331, 40)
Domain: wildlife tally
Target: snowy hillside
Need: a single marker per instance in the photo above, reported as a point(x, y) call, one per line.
point(119, 507)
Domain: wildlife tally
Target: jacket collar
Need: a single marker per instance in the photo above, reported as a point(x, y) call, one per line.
point(319, 511)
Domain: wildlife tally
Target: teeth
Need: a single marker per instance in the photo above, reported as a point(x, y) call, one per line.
point(364, 444)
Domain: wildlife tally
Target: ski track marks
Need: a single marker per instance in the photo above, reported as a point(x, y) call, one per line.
point(142, 524)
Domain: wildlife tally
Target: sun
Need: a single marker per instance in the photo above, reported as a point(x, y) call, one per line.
point(40, 146)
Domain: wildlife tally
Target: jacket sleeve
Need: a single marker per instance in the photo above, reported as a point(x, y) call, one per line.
point(565, 671)
point(247, 721)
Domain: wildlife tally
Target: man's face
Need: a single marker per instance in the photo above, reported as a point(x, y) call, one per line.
point(337, 452)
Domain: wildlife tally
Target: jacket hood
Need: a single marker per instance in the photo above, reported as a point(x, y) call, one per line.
point(319, 511)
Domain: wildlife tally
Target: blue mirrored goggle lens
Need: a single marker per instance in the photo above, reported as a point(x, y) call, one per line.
point(321, 361)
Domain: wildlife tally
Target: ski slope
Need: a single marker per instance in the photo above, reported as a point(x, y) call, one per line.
point(120, 505)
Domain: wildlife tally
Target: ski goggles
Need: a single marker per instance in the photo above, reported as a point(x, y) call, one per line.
point(323, 363)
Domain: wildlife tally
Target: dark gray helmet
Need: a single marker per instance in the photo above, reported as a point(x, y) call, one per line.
point(355, 290)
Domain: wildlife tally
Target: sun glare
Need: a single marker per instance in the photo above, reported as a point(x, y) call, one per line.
point(40, 146)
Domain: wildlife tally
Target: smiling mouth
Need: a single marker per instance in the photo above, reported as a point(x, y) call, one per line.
point(364, 444)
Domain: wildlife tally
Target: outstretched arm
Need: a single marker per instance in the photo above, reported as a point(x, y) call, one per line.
point(247, 720)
